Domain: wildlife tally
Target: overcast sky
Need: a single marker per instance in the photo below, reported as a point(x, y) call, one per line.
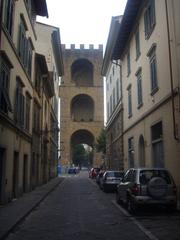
point(83, 21)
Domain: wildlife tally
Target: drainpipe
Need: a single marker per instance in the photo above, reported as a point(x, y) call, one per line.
point(1, 17)
point(171, 77)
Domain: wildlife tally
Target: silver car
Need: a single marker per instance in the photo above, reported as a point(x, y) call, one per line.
point(110, 180)
point(143, 186)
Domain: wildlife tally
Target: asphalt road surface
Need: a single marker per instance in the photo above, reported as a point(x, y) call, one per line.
point(78, 210)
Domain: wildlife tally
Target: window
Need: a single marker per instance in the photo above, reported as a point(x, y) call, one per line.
point(31, 10)
point(113, 70)
point(108, 110)
point(27, 111)
point(5, 104)
point(149, 18)
point(111, 105)
point(38, 79)
point(157, 145)
point(139, 87)
point(8, 15)
point(153, 69)
point(29, 57)
point(36, 122)
point(107, 84)
point(114, 99)
point(19, 103)
point(110, 79)
point(129, 102)
point(22, 48)
point(117, 90)
point(128, 64)
point(131, 152)
point(137, 44)
point(25, 47)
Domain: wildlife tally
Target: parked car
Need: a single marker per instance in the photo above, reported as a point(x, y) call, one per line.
point(99, 176)
point(147, 186)
point(72, 170)
point(93, 172)
point(110, 180)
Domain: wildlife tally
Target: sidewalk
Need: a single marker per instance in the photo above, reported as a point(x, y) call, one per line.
point(14, 212)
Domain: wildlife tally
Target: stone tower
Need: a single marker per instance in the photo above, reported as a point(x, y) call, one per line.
point(81, 100)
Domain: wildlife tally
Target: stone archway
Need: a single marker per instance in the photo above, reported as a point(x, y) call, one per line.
point(142, 160)
point(82, 73)
point(82, 108)
point(84, 137)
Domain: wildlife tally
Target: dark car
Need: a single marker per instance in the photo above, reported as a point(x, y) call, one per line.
point(93, 172)
point(72, 170)
point(147, 186)
point(99, 176)
point(110, 180)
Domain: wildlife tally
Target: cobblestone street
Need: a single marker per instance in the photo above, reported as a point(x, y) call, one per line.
point(78, 209)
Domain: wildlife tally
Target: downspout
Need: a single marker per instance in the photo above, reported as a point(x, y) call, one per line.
point(1, 18)
point(171, 77)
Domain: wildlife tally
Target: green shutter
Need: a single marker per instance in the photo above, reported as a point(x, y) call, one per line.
point(145, 24)
point(20, 41)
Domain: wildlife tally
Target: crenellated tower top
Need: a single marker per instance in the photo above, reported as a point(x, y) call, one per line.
point(82, 46)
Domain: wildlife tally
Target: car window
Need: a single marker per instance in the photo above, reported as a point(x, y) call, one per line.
point(114, 174)
point(129, 176)
point(146, 175)
point(118, 174)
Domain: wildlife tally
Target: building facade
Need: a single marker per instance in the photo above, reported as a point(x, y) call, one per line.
point(49, 45)
point(17, 56)
point(81, 100)
point(150, 59)
point(28, 99)
point(114, 112)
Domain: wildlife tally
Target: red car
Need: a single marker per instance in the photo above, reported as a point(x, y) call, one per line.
point(93, 172)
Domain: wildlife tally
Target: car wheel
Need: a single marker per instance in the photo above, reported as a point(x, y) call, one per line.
point(104, 188)
point(131, 206)
point(118, 200)
point(171, 208)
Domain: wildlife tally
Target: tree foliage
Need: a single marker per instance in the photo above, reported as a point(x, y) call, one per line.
point(101, 142)
point(78, 154)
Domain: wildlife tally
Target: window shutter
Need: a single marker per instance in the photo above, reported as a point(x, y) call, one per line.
point(145, 24)
point(29, 58)
point(20, 41)
point(16, 105)
point(7, 99)
point(22, 110)
point(26, 46)
point(152, 13)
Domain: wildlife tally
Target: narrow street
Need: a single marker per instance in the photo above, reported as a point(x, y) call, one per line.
point(78, 209)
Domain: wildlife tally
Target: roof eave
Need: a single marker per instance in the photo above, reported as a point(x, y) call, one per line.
point(58, 52)
point(127, 23)
point(41, 8)
point(112, 38)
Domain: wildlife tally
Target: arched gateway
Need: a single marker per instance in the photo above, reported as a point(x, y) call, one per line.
point(81, 101)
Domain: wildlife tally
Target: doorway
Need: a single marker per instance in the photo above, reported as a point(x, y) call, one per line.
point(2, 171)
point(25, 173)
point(15, 175)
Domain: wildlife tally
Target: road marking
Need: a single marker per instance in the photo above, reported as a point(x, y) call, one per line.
point(143, 229)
